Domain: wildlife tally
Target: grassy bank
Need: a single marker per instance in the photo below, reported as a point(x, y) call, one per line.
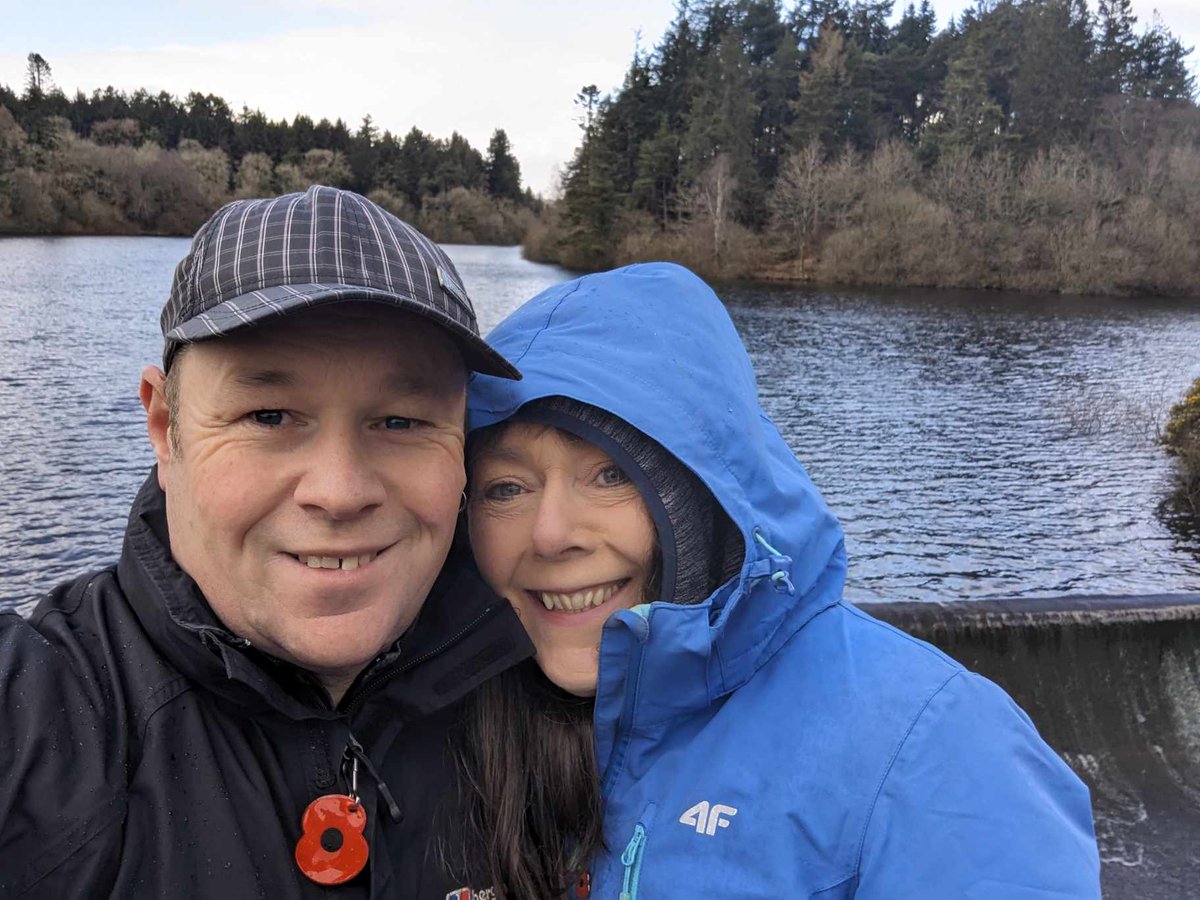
point(1063, 221)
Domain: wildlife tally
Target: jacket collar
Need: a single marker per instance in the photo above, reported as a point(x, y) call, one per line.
point(463, 635)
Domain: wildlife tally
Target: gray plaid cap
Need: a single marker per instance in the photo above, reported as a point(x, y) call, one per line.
point(255, 259)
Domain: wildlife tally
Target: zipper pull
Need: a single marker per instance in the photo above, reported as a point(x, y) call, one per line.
point(356, 755)
point(631, 859)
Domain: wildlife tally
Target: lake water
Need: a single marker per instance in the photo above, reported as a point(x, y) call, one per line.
point(973, 445)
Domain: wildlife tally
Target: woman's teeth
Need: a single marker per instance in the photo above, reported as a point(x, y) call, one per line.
point(580, 600)
point(346, 563)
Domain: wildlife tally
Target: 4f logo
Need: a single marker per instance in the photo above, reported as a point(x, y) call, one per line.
point(707, 819)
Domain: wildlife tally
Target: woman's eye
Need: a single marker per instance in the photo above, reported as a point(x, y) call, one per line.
point(612, 476)
point(268, 417)
point(505, 490)
point(398, 423)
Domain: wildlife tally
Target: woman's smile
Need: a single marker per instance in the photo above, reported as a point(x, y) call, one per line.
point(578, 600)
point(561, 533)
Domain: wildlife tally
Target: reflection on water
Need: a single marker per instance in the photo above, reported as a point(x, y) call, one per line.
point(973, 445)
point(983, 445)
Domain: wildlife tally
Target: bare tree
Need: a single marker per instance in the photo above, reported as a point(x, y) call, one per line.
point(710, 199)
point(798, 201)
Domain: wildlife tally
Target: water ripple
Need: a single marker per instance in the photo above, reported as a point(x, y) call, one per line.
point(973, 445)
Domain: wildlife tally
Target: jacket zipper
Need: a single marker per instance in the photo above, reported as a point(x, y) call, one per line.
point(631, 859)
point(400, 666)
point(624, 728)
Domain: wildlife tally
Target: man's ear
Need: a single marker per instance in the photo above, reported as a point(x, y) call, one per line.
point(152, 391)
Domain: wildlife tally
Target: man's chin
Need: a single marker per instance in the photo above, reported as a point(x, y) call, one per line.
point(337, 642)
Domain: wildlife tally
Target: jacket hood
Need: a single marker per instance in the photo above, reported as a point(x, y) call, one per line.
point(654, 345)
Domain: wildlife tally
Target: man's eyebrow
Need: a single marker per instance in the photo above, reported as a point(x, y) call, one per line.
point(409, 383)
point(402, 383)
point(264, 378)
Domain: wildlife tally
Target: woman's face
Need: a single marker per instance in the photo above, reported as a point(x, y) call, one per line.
point(561, 533)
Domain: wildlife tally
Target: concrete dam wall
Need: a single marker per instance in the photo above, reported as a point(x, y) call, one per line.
point(1113, 684)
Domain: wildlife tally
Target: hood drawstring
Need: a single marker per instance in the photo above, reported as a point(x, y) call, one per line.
point(356, 755)
point(216, 638)
point(776, 567)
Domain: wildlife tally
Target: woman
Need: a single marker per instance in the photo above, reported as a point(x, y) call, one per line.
point(681, 579)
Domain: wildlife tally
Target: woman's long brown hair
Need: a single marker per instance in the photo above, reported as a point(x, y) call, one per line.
point(530, 788)
point(527, 773)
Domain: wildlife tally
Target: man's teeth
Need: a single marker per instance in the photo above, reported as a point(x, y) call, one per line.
point(580, 600)
point(346, 563)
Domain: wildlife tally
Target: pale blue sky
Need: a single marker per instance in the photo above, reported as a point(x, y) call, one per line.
point(455, 64)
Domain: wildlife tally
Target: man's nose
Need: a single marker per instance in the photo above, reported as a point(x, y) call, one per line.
point(560, 526)
point(340, 479)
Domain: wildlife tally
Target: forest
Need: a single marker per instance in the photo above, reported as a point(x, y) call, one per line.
point(1037, 145)
point(142, 163)
point(1029, 144)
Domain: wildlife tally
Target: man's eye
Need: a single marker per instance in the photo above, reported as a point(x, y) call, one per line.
point(398, 423)
point(267, 416)
point(505, 490)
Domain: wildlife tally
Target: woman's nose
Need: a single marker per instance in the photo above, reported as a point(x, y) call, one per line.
point(559, 526)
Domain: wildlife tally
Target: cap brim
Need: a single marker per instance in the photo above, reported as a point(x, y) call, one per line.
point(278, 300)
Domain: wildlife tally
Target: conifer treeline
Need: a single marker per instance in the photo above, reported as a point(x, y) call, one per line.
point(130, 163)
point(1031, 143)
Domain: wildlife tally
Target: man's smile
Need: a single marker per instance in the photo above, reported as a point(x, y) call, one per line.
point(347, 560)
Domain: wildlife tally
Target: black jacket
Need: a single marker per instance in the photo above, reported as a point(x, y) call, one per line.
point(145, 751)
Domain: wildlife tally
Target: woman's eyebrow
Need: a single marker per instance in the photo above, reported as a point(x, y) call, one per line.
point(501, 453)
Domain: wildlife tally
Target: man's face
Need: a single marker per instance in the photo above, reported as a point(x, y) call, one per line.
point(314, 487)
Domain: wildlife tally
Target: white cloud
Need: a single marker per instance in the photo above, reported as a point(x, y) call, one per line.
point(464, 66)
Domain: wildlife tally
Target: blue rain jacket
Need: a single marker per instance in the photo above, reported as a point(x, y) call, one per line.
point(774, 741)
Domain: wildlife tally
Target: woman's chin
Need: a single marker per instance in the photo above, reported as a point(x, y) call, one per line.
point(577, 680)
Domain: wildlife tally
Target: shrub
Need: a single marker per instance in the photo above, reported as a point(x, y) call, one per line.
point(1183, 423)
point(543, 237)
point(1181, 438)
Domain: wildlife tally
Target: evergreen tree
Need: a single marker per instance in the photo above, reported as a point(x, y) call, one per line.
point(977, 91)
point(656, 186)
point(590, 187)
point(363, 156)
point(503, 170)
point(208, 121)
point(36, 112)
point(911, 72)
point(867, 25)
point(811, 16)
point(721, 121)
point(1116, 58)
point(414, 165)
point(458, 165)
point(303, 135)
point(37, 76)
point(774, 66)
point(1051, 84)
point(1161, 69)
point(833, 103)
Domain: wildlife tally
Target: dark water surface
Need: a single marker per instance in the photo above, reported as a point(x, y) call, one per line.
point(973, 445)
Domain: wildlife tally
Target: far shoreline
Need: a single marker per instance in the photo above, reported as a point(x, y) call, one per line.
point(785, 274)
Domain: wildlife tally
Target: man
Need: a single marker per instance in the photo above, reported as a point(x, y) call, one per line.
point(258, 699)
